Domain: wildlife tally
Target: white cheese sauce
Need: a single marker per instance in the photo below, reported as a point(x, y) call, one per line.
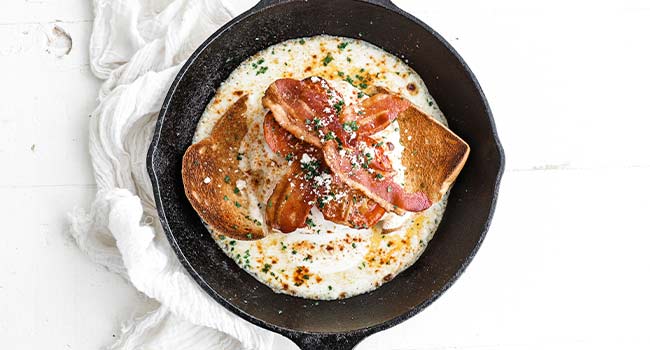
point(323, 260)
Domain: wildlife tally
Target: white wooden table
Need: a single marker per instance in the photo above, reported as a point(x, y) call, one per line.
point(566, 264)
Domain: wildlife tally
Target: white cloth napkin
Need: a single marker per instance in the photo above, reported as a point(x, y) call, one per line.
point(137, 47)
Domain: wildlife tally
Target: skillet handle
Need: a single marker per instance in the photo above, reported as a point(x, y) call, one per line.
point(327, 341)
point(384, 3)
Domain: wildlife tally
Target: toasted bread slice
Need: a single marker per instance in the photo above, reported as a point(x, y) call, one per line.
point(210, 175)
point(433, 155)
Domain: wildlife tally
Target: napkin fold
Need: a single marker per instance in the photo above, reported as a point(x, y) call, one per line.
point(137, 47)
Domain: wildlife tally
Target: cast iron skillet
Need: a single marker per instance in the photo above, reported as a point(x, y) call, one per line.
point(333, 324)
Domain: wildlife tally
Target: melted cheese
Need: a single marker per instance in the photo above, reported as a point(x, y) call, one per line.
point(324, 260)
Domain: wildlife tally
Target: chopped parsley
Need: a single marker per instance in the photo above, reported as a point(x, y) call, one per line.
point(330, 136)
point(262, 70)
point(360, 94)
point(379, 176)
point(225, 198)
point(237, 205)
point(338, 106)
point(341, 74)
point(302, 41)
point(317, 123)
point(351, 126)
point(310, 223)
point(266, 268)
point(236, 190)
point(310, 169)
point(258, 63)
point(239, 156)
point(342, 46)
point(227, 179)
point(249, 235)
point(327, 59)
point(289, 157)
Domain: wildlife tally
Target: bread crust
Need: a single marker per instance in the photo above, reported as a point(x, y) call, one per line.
point(433, 155)
point(210, 174)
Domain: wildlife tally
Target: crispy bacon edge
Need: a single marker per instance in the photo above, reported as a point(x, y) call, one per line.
point(382, 190)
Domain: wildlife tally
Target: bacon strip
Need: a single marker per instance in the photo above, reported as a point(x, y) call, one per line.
point(384, 191)
point(354, 210)
point(291, 201)
point(377, 112)
point(280, 140)
point(380, 161)
point(308, 109)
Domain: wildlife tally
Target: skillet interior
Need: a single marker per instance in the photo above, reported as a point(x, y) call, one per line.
point(449, 82)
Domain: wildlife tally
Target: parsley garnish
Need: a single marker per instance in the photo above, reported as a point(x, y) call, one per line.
point(342, 46)
point(310, 168)
point(262, 70)
point(227, 179)
point(338, 106)
point(327, 59)
point(379, 176)
point(302, 41)
point(351, 126)
point(317, 123)
point(289, 157)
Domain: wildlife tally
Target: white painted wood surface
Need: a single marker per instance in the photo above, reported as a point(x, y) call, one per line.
point(566, 262)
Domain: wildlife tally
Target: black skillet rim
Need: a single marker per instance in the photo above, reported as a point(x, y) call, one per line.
point(293, 334)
